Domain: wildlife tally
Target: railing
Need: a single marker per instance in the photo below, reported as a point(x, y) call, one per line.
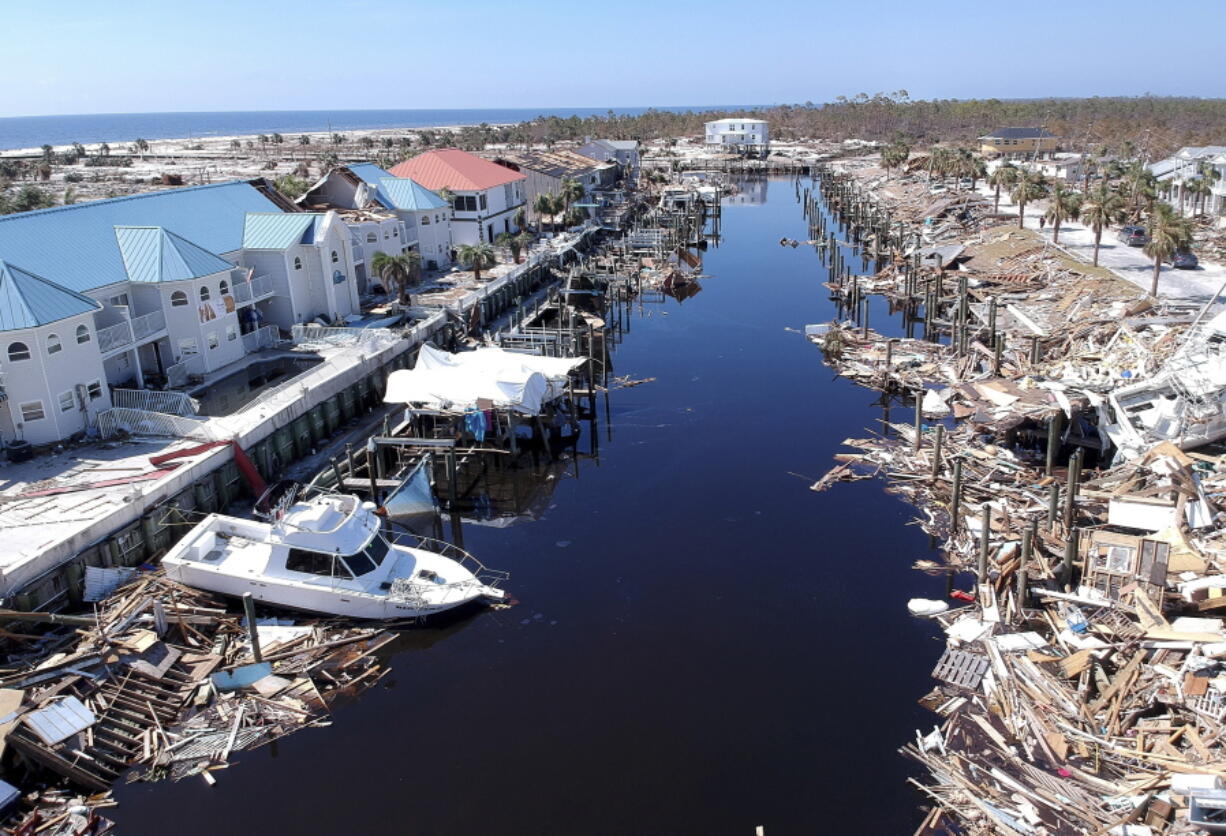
point(341, 336)
point(407, 539)
point(170, 403)
point(3, 391)
point(258, 288)
point(265, 337)
point(115, 336)
point(148, 324)
point(143, 422)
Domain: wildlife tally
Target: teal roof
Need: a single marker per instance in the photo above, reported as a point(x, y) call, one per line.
point(401, 193)
point(28, 301)
point(153, 254)
point(278, 230)
point(76, 246)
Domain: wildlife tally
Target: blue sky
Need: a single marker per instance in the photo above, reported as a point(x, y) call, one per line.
point(190, 55)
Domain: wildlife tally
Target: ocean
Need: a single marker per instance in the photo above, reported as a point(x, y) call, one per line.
point(35, 131)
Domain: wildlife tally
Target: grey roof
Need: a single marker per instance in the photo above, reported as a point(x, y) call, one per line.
point(1019, 133)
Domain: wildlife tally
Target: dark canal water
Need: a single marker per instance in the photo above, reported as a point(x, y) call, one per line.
point(703, 644)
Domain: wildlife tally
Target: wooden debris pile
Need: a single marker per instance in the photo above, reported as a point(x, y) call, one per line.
point(167, 683)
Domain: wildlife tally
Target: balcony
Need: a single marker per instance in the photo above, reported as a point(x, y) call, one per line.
point(258, 288)
point(137, 330)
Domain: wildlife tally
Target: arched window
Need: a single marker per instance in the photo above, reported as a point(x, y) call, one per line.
point(395, 233)
point(297, 263)
point(53, 344)
point(19, 351)
point(385, 235)
point(225, 287)
point(178, 299)
point(425, 220)
point(335, 257)
point(82, 334)
point(204, 293)
point(370, 238)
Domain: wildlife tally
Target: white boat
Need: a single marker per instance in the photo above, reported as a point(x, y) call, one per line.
point(330, 554)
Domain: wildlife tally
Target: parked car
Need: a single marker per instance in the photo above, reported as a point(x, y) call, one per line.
point(1184, 261)
point(1134, 236)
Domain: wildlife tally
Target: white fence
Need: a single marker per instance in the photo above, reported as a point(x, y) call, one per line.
point(265, 337)
point(143, 422)
point(258, 288)
point(115, 336)
point(171, 403)
point(147, 324)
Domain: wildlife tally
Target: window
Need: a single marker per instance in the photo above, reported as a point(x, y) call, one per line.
point(314, 563)
point(231, 333)
point(425, 220)
point(368, 560)
point(204, 293)
point(178, 299)
point(213, 340)
point(466, 203)
point(95, 390)
point(481, 197)
point(224, 288)
point(436, 219)
point(67, 401)
point(53, 344)
point(509, 193)
point(386, 235)
point(120, 301)
point(188, 347)
point(19, 351)
point(335, 257)
point(297, 263)
point(32, 411)
point(370, 239)
point(395, 233)
point(82, 334)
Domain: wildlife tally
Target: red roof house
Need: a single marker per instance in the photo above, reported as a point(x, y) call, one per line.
point(456, 170)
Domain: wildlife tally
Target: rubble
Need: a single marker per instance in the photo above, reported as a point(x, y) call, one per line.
point(166, 683)
point(1083, 684)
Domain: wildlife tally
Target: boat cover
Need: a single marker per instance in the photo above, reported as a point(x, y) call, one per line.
point(440, 380)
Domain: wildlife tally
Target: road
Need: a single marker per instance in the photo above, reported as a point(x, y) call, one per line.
point(1129, 263)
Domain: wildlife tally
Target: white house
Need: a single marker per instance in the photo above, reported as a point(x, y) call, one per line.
point(487, 196)
point(53, 383)
point(1190, 164)
point(738, 136)
point(364, 192)
point(151, 288)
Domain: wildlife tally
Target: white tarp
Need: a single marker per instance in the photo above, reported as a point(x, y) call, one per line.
point(440, 380)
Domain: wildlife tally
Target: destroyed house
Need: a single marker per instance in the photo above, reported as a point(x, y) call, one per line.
point(1116, 561)
point(1008, 142)
point(546, 171)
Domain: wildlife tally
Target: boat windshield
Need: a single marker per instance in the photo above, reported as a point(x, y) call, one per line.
point(316, 563)
point(367, 560)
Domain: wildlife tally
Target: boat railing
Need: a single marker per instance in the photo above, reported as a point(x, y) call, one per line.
point(490, 577)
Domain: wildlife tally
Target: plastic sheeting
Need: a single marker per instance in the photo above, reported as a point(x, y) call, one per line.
point(522, 382)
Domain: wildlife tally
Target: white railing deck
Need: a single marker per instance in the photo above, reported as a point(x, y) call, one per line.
point(148, 324)
point(170, 403)
point(260, 287)
point(115, 336)
point(264, 337)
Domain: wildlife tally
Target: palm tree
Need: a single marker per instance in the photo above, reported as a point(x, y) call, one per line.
point(447, 195)
point(476, 256)
point(1102, 207)
point(894, 156)
point(546, 204)
point(304, 140)
point(395, 270)
point(571, 191)
point(524, 239)
point(1030, 186)
point(1063, 205)
point(974, 168)
point(1005, 176)
point(1169, 232)
point(520, 218)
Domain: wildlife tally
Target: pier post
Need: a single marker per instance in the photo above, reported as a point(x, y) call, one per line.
point(252, 631)
point(1053, 504)
point(936, 450)
point(1070, 553)
point(1070, 491)
point(956, 498)
point(1053, 441)
point(985, 535)
point(1022, 561)
point(919, 419)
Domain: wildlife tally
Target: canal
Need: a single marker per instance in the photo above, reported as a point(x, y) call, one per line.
point(703, 644)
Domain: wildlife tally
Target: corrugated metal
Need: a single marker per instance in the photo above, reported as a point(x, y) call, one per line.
point(278, 230)
point(456, 170)
point(402, 193)
point(27, 300)
point(153, 254)
point(74, 246)
point(60, 720)
point(100, 582)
